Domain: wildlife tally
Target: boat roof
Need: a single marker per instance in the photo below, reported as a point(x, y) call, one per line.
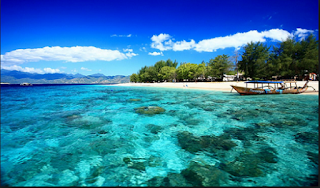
point(265, 82)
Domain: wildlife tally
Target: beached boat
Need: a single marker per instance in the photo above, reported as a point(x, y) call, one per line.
point(26, 84)
point(271, 87)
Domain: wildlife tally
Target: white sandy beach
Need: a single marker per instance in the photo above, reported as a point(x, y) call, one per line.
point(217, 86)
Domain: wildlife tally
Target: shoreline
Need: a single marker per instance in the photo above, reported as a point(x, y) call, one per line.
point(215, 86)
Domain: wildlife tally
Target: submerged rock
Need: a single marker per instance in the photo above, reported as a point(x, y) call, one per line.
point(250, 164)
point(267, 155)
point(189, 121)
point(189, 142)
point(156, 99)
point(138, 166)
point(287, 123)
point(155, 181)
point(245, 114)
point(149, 110)
point(314, 157)
point(72, 117)
point(205, 175)
point(154, 128)
point(141, 163)
point(68, 178)
point(217, 142)
point(171, 180)
point(211, 143)
point(208, 107)
point(103, 147)
point(220, 101)
point(175, 180)
point(102, 132)
point(134, 100)
point(126, 160)
point(246, 135)
point(263, 124)
point(154, 161)
point(134, 163)
point(151, 138)
point(307, 137)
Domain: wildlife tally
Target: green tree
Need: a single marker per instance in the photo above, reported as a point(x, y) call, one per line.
point(273, 66)
point(182, 72)
point(169, 63)
point(220, 65)
point(288, 58)
point(158, 66)
point(308, 55)
point(151, 74)
point(192, 74)
point(168, 73)
point(134, 78)
point(141, 74)
point(292, 58)
point(201, 70)
point(187, 71)
point(254, 60)
point(175, 64)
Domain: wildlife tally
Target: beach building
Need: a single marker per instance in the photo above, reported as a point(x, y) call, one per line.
point(228, 77)
point(232, 77)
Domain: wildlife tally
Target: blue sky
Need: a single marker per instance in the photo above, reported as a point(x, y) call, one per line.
point(119, 37)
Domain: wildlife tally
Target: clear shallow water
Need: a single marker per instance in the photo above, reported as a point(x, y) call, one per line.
point(93, 136)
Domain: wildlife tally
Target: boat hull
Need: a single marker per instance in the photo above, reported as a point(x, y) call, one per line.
point(258, 91)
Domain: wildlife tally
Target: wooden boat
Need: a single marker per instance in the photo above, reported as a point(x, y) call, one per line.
point(270, 87)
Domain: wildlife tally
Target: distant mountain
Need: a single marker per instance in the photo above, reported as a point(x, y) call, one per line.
point(17, 77)
point(76, 75)
point(97, 75)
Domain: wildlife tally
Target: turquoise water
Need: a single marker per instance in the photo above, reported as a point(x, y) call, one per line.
point(96, 136)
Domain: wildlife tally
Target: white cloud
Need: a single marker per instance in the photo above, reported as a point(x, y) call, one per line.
point(143, 49)
point(50, 70)
point(277, 34)
point(183, 45)
point(236, 40)
point(86, 69)
point(115, 35)
point(160, 38)
point(130, 54)
point(155, 53)
point(31, 69)
point(57, 53)
point(239, 39)
point(127, 50)
point(157, 42)
point(302, 33)
point(164, 41)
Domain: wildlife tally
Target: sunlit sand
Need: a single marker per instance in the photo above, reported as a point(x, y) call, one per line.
point(216, 86)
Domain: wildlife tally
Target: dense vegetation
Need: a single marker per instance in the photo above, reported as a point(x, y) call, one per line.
point(287, 59)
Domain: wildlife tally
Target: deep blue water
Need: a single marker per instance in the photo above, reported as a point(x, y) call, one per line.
point(87, 135)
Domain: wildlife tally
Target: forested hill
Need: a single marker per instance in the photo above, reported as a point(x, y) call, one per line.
point(17, 77)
